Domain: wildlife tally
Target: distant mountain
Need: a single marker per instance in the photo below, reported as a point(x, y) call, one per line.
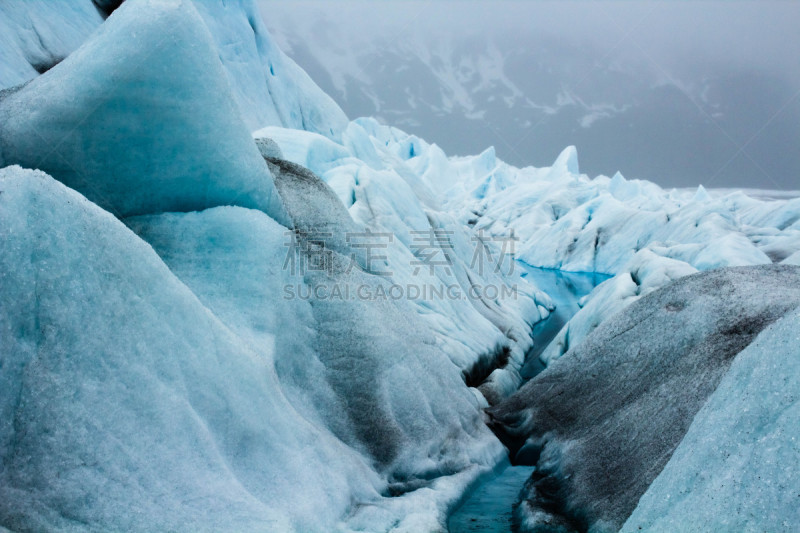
point(530, 96)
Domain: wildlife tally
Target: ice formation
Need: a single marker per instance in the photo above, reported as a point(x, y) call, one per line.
point(90, 120)
point(269, 88)
point(126, 404)
point(738, 467)
point(600, 423)
point(255, 405)
point(566, 220)
point(36, 35)
point(384, 196)
point(170, 362)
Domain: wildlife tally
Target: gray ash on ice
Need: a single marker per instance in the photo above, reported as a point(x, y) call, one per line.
point(601, 423)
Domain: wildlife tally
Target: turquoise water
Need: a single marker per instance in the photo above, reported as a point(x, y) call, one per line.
point(565, 288)
point(489, 508)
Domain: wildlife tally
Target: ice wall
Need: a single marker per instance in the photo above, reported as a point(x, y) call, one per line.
point(738, 467)
point(370, 393)
point(140, 119)
point(268, 87)
point(600, 423)
point(127, 405)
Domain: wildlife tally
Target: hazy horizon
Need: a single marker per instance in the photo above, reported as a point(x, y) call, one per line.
point(675, 92)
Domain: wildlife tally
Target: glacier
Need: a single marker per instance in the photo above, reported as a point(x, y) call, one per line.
point(269, 88)
point(200, 257)
point(89, 120)
point(641, 235)
point(602, 421)
point(737, 467)
point(377, 387)
point(127, 404)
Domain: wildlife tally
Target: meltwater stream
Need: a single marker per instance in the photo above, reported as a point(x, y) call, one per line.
point(489, 508)
point(566, 289)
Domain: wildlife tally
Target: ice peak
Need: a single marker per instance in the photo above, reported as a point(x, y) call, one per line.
point(701, 195)
point(567, 161)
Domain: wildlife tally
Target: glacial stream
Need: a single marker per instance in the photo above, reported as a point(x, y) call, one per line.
point(566, 289)
point(489, 508)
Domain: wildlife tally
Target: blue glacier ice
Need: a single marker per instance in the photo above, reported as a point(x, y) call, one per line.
point(140, 119)
point(127, 405)
point(268, 87)
point(738, 467)
point(164, 366)
point(35, 35)
point(601, 422)
point(371, 372)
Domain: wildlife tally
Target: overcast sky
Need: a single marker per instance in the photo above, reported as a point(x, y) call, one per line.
point(736, 65)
